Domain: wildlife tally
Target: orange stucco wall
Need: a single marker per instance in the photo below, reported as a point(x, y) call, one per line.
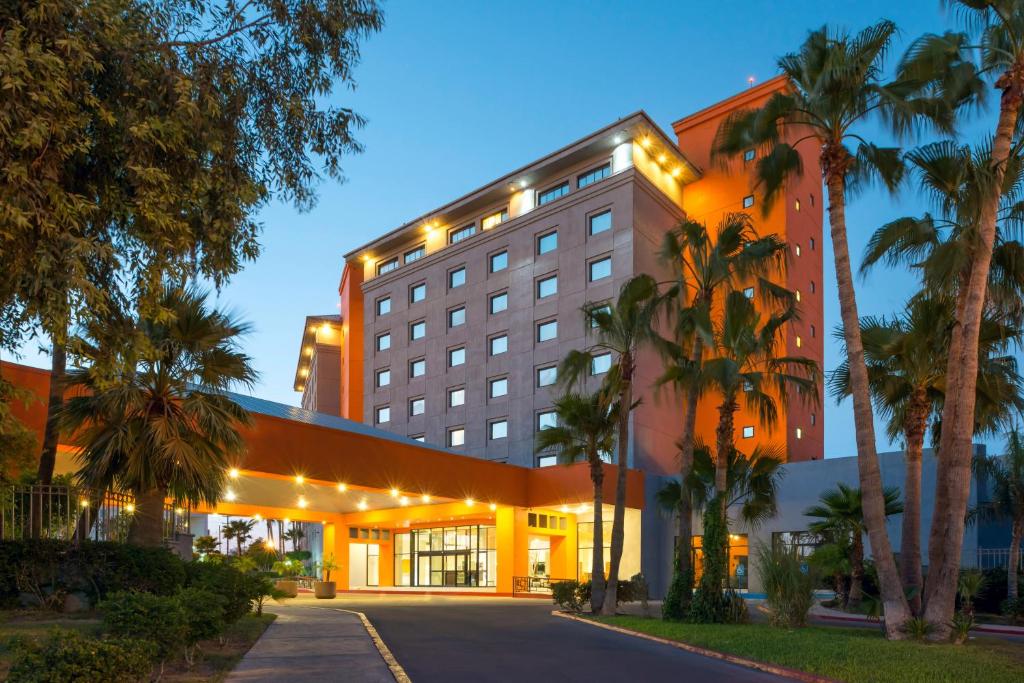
point(350, 293)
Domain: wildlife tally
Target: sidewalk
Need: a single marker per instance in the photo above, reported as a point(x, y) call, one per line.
point(313, 644)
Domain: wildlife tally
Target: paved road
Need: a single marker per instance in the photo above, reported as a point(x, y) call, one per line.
point(449, 640)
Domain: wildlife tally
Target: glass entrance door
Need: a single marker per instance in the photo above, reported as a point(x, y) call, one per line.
point(539, 556)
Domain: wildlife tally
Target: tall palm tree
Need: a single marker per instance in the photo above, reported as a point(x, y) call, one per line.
point(585, 431)
point(295, 534)
point(989, 53)
point(150, 414)
point(840, 514)
point(240, 530)
point(705, 266)
point(906, 358)
point(835, 86)
point(1006, 500)
point(622, 328)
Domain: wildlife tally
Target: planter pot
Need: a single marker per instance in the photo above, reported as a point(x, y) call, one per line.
point(325, 590)
point(288, 587)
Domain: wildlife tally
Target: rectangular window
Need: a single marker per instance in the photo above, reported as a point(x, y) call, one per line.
point(383, 377)
point(547, 460)
point(498, 387)
point(546, 420)
point(748, 201)
point(600, 364)
point(547, 376)
point(384, 306)
point(547, 331)
point(811, 242)
point(748, 432)
point(814, 419)
point(499, 261)
point(496, 218)
point(597, 312)
point(797, 293)
point(456, 437)
point(498, 429)
point(457, 316)
point(547, 286)
point(601, 269)
point(553, 193)
point(456, 357)
point(422, 438)
point(418, 330)
point(499, 344)
point(814, 332)
point(593, 175)
point(417, 406)
point(498, 302)
point(799, 433)
point(749, 155)
point(748, 292)
point(456, 397)
point(383, 414)
point(812, 286)
point(797, 249)
point(456, 236)
point(384, 341)
point(547, 242)
point(415, 254)
point(796, 204)
point(600, 222)
point(418, 293)
point(418, 367)
point(799, 341)
point(457, 277)
point(387, 266)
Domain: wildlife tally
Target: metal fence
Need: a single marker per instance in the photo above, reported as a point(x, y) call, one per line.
point(992, 558)
point(73, 513)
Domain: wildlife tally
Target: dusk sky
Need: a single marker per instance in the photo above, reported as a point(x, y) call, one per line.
point(458, 93)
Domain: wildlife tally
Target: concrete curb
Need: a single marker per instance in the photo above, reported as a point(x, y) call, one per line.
point(385, 652)
point(714, 654)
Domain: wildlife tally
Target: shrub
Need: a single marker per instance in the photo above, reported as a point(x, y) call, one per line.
point(789, 590)
point(676, 604)
point(65, 655)
point(570, 595)
point(236, 589)
point(203, 612)
point(1013, 609)
point(918, 628)
point(156, 618)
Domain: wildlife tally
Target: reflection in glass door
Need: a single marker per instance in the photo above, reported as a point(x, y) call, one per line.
point(539, 556)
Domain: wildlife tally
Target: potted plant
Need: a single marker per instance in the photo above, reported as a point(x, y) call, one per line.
point(287, 569)
point(326, 589)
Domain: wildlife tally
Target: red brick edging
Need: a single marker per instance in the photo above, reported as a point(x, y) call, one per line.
point(714, 654)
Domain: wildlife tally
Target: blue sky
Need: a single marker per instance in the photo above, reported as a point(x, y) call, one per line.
point(459, 93)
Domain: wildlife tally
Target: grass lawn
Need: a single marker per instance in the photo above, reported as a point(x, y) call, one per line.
point(852, 655)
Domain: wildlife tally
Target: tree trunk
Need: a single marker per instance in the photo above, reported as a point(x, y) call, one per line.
point(856, 593)
point(893, 600)
point(147, 526)
point(724, 444)
point(910, 548)
point(51, 435)
point(597, 582)
point(962, 373)
point(684, 560)
point(1013, 564)
point(619, 516)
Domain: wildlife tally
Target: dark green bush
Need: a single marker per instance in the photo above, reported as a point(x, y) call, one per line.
point(1013, 609)
point(237, 589)
point(676, 604)
point(204, 617)
point(570, 595)
point(65, 655)
point(158, 619)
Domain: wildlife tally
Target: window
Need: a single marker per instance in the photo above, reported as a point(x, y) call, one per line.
point(383, 414)
point(499, 344)
point(547, 286)
point(749, 155)
point(547, 242)
point(456, 437)
point(417, 406)
point(603, 309)
point(593, 175)
point(796, 204)
point(456, 356)
point(553, 193)
point(547, 376)
point(418, 330)
point(387, 266)
point(799, 433)
point(422, 438)
point(498, 387)
point(748, 432)
point(748, 201)
point(456, 236)
point(812, 199)
point(456, 397)
point(811, 243)
point(418, 367)
point(814, 332)
point(547, 460)
point(797, 292)
point(797, 249)
point(546, 420)
point(457, 316)
point(418, 293)
point(749, 292)
point(814, 419)
point(383, 377)
point(812, 286)
point(499, 261)
point(415, 254)
point(496, 218)
point(384, 306)
point(601, 269)
point(457, 277)
point(600, 364)
point(498, 302)
point(547, 331)
point(498, 429)
point(799, 341)
point(600, 222)
point(384, 341)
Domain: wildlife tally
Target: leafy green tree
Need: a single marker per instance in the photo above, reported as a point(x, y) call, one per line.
point(295, 534)
point(161, 424)
point(586, 431)
point(1005, 475)
point(205, 545)
point(836, 86)
point(239, 530)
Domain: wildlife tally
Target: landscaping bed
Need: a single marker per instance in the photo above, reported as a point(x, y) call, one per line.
point(852, 655)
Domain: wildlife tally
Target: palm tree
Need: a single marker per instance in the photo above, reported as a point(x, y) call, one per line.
point(585, 431)
point(150, 414)
point(240, 530)
point(622, 328)
point(1006, 501)
point(836, 86)
point(295, 534)
point(705, 266)
point(840, 515)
